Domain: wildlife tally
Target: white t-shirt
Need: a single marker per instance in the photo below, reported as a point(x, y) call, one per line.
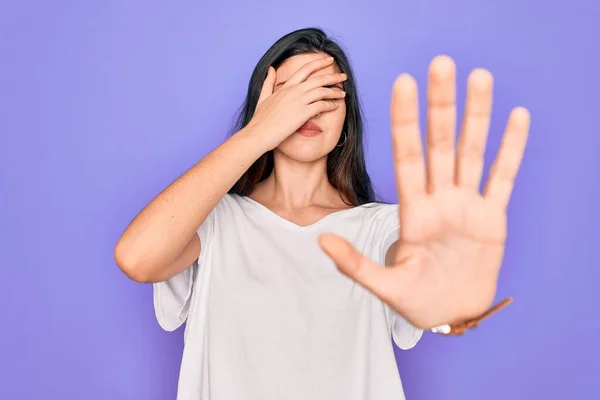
point(268, 315)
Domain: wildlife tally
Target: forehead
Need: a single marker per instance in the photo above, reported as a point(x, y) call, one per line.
point(290, 66)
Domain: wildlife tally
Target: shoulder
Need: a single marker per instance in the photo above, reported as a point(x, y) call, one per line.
point(230, 204)
point(375, 218)
point(226, 211)
point(379, 228)
point(381, 214)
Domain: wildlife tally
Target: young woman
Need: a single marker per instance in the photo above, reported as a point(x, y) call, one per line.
point(291, 278)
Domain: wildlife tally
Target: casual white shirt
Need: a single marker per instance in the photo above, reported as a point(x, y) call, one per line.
point(269, 316)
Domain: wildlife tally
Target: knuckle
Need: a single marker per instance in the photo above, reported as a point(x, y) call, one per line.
point(442, 141)
point(325, 92)
point(472, 149)
point(408, 154)
point(503, 172)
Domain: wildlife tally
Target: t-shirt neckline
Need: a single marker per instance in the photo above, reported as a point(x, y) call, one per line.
point(286, 222)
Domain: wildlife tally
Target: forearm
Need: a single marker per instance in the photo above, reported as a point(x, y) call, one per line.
point(160, 232)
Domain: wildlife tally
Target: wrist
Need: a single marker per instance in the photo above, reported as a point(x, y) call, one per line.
point(256, 139)
point(460, 328)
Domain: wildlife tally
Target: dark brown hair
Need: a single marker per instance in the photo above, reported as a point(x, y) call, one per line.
point(346, 167)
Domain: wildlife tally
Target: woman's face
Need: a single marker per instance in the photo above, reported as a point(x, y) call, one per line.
point(309, 146)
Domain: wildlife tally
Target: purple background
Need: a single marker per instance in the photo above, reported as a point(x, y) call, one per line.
point(104, 103)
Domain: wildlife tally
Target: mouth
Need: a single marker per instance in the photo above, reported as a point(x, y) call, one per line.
point(310, 129)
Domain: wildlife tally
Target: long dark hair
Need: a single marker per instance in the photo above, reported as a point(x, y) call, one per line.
point(346, 167)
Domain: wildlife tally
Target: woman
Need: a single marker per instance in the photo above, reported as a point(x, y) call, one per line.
point(244, 246)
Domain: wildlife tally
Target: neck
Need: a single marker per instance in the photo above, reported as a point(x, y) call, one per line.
point(296, 185)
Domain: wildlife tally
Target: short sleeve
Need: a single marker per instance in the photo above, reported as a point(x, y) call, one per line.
point(404, 334)
point(172, 298)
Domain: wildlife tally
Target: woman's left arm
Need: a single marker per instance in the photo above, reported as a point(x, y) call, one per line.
point(444, 269)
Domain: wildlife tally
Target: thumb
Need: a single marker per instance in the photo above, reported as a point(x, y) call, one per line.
point(268, 84)
point(357, 267)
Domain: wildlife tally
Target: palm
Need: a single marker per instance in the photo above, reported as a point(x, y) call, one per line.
point(447, 238)
point(455, 211)
point(445, 265)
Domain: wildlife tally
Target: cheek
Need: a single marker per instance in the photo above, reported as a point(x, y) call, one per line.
point(341, 111)
point(335, 119)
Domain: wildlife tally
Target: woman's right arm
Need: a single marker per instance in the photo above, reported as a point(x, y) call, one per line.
point(161, 241)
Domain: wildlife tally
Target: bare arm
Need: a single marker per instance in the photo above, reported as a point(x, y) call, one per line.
point(162, 241)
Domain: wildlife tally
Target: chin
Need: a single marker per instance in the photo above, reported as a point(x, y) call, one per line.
point(305, 150)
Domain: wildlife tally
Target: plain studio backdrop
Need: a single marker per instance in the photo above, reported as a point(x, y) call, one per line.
point(104, 103)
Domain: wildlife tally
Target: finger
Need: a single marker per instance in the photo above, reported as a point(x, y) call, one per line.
point(268, 84)
point(504, 169)
point(350, 262)
point(322, 106)
point(323, 81)
point(476, 124)
point(441, 122)
point(409, 163)
point(322, 93)
point(309, 68)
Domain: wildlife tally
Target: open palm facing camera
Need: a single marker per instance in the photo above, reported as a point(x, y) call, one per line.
point(444, 267)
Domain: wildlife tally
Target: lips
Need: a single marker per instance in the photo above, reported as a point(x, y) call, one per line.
point(310, 129)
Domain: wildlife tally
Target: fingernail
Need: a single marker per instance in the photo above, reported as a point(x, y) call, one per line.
point(329, 58)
